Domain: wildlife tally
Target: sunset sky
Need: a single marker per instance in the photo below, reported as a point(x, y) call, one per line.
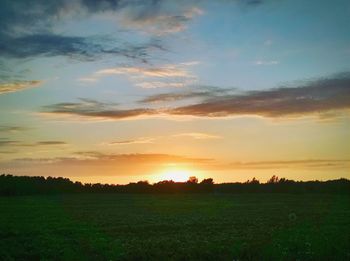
point(117, 91)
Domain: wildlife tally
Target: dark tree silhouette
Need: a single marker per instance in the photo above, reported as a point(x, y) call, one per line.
point(209, 181)
point(273, 179)
point(24, 185)
point(192, 179)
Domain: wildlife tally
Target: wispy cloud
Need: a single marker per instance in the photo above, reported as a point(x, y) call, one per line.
point(101, 158)
point(17, 86)
point(201, 92)
point(95, 109)
point(163, 84)
point(74, 47)
point(17, 143)
point(29, 30)
point(87, 80)
point(50, 143)
point(293, 164)
point(198, 135)
point(268, 42)
point(5, 152)
point(4, 128)
point(168, 75)
point(144, 140)
point(159, 72)
point(28, 27)
point(331, 94)
point(312, 97)
point(4, 143)
point(266, 62)
point(160, 23)
point(88, 163)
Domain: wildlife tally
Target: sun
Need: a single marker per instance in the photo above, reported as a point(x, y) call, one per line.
point(177, 175)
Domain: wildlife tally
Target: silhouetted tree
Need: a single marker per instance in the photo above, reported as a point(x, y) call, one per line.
point(273, 179)
point(208, 181)
point(253, 181)
point(206, 185)
point(24, 185)
point(192, 179)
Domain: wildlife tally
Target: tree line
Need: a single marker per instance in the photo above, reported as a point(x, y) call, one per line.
point(26, 185)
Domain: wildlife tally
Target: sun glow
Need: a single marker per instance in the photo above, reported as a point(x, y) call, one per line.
point(177, 175)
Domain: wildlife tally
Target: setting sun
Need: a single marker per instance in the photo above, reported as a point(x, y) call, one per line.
point(177, 175)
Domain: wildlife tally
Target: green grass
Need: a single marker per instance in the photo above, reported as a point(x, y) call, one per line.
point(175, 227)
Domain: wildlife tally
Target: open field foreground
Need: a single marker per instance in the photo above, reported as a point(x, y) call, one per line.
point(175, 227)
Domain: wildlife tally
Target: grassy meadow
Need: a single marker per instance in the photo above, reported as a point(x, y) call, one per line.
point(175, 227)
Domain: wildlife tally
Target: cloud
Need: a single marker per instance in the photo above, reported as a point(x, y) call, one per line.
point(50, 143)
point(164, 84)
point(312, 97)
point(264, 62)
point(161, 22)
point(198, 135)
point(95, 109)
point(292, 164)
point(87, 80)
point(268, 42)
point(12, 128)
point(33, 28)
point(16, 143)
point(41, 14)
point(100, 158)
point(203, 92)
point(8, 151)
point(168, 75)
point(92, 163)
point(321, 96)
point(79, 48)
point(158, 72)
point(4, 143)
point(29, 30)
point(17, 86)
point(144, 140)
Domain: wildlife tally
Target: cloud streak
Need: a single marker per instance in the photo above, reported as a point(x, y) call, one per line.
point(158, 72)
point(95, 109)
point(203, 92)
point(168, 75)
point(134, 141)
point(321, 96)
point(309, 98)
point(162, 22)
point(17, 143)
point(88, 163)
point(74, 47)
point(265, 62)
point(198, 135)
point(292, 164)
point(12, 129)
point(17, 86)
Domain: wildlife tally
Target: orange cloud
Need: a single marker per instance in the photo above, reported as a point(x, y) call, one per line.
point(17, 86)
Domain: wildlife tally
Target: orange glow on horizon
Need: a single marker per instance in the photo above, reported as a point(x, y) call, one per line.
point(174, 174)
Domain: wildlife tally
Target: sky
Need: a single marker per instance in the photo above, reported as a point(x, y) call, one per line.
point(118, 91)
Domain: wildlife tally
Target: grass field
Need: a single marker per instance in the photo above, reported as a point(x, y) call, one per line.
point(175, 227)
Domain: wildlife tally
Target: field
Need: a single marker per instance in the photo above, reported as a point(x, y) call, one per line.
point(175, 227)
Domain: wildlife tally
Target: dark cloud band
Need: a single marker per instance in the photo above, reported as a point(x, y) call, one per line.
point(313, 97)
